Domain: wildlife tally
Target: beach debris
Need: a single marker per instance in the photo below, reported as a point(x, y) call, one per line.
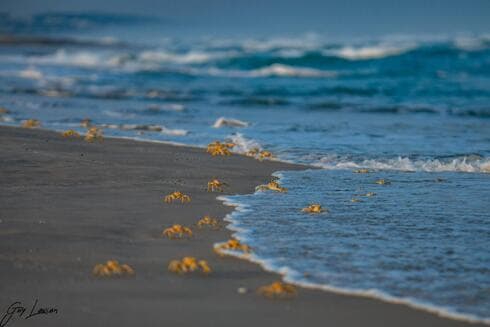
point(31, 123)
point(112, 268)
point(231, 245)
point(362, 171)
point(94, 134)
point(272, 186)
point(382, 181)
point(314, 208)
point(242, 290)
point(265, 155)
point(208, 221)
point(229, 122)
point(278, 290)
point(189, 264)
point(177, 196)
point(216, 185)
point(86, 122)
point(217, 148)
point(177, 232)
point(70, 134)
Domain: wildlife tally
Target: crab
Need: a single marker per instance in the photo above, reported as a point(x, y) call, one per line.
point(177, 196)
point(314, 208)
point(252, 152)
point(177, 231)
point(233, 245)
point(216, 185)
point(265, 155)
point(86, 122)
point(112, 268)
point(278, 290)
point(220, 149)
point(382, 181)
point(273, 186)
point(208, 221)
point(70, 133)
point(94, 134)
point(362, 171)
point(189, 264)
point(31, 123)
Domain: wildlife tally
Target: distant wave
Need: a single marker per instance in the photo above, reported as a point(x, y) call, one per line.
point(370, 52)
point(229, 122)
point(469, 164)
point(274, 70)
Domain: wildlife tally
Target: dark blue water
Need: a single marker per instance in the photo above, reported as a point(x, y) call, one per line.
point(414, 110)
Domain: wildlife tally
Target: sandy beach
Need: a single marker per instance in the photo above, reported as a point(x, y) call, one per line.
point(67, 205)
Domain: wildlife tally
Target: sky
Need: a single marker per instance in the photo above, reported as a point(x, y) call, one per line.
point(335, 17)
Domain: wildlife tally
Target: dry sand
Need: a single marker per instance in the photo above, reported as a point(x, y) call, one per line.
point(66, 205)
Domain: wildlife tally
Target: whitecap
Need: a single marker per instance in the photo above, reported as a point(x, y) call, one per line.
point(31, 73)
point(229, 122)
point(369, 52)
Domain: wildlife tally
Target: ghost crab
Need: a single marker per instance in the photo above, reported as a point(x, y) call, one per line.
point(273, 186)
point(217, 148)
point(215, 184)
point(278, 290)
point(252, 152)
point(265, 155)
point(112, 268)
point(70, 133)
point(189, 264)
point(177, 232)
point(314, 208)
point(94, 134)
point(208, 221)
point(382, 181)
point(177, 196)
point(31, 123)
point(233, 245)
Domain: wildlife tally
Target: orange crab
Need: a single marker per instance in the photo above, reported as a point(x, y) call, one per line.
point(94, 134)
point(70, 133)
point(220, 149)
point(31, 123)
point(252, 152)
point(177, 196)
point(112, 268)
point(233, 245)
point(215, 184)
point(278, 290)
point(177, 231)
point(265, 155)
point(208, 221)
point(189, 264)
point(273, 186)
point(314, 208)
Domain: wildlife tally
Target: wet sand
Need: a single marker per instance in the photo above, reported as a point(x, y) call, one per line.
point(66, 205)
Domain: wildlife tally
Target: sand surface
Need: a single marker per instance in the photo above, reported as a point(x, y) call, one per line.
point(66, 205)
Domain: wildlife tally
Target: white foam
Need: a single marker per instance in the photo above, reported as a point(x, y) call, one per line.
point(369, 52)
point(229, 122)
point(274, 70)
point(31, 73)
point(243, 144)
point(459, 164)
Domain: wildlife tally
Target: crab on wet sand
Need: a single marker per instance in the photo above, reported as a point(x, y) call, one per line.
point(216, 185)
point(189, 264)
point(273, 186)
point(177, 231)
point(232, 245)
point(177, 196)
point(278, 290)
point(264, 155)
point(252, 152)
point(112, 268)
point(314, 208)
point(70, 134)
point(31, 123)
point(218, 148)
point(208, 221)
point(94, 134)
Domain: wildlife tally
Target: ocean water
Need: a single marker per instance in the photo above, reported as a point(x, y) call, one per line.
point(414, 110)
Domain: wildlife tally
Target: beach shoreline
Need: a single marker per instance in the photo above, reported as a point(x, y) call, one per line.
point(69, 204)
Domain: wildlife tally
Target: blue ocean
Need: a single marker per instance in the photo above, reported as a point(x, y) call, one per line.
point(414, 111)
